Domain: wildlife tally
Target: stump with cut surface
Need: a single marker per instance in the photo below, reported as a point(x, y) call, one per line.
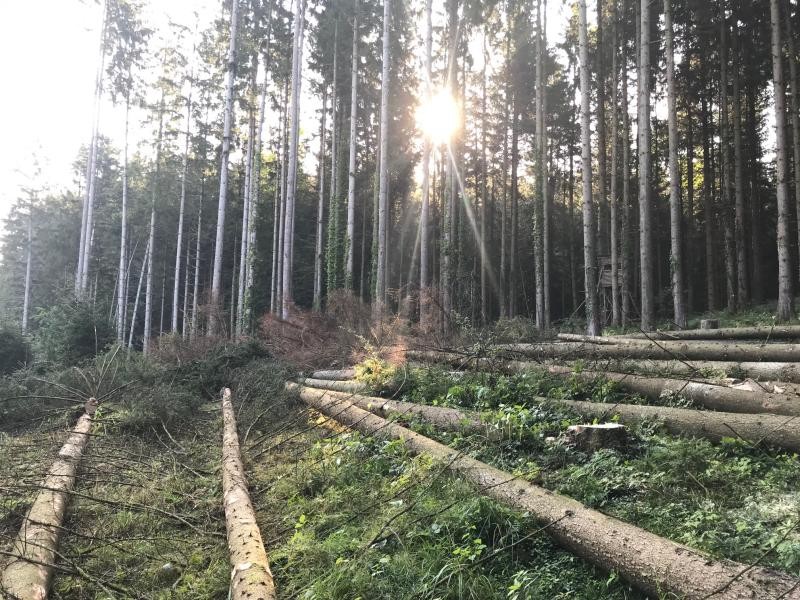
point(591, 438)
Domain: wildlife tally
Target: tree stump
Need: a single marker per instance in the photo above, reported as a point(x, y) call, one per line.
point(590, 438)
point(709, 324)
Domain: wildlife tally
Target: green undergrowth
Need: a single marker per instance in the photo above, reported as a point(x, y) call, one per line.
point(731, 499)
point(346, 516)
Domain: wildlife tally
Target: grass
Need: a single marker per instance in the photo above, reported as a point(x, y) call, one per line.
point(731, 500)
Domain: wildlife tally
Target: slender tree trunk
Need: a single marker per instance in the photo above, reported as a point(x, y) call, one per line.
point(626, 245)
point(196, 283)
point(122, 274)
point(216, 281)
point(383, 179)
point(708, 208)
point(484, 191)
point(725, 170)
point(291, 178)
point(539, 155)
point(645, 218)
point(185, 308)
point(145, 258)
point(179, 243)
point(277, 224)
point(332, 252)
point(755, 198)
point(26, 300)
point(613, 200)
point(318, 248)
point(785, 310)
point(351, 171)
point(743, 286)
point(691, 263)
point(602, 170)
point(675, 208)
point(794, 97)
point(151, 242)
point(512, 262)
point(424, 278)
point(247, 197)
point(589, 248)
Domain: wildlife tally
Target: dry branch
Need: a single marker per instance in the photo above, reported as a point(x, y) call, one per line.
point(652, 563)
point(251, 578)
point(28, 576)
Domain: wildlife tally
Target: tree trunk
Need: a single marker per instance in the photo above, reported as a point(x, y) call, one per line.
point(589, 251)
point(179, 243)
point(616, 318)
point(145, 258)
point(651, 563)
point(383, 176)
point(247, 203)
point(725, 168)
point(626, 261)
point(645, 218)
point(743, 285)
point(334, 235)
point(708, 209)
point(540, 185)
point(424, 218)
point(291, 178)
point(675, 208)
point(151, 241)
point(794, 97)
point(765, 334)
point(215, 324)
point(26, 297)
point(35, 550)
point(251, 576)
point(351, 171)
point(318, 249)
point(122, 273)
point(785, 310)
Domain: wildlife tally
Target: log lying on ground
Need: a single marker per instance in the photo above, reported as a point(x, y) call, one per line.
point(652, 563)
point(716, 397)
point(348, 387)
point(688, 350)
point(449, 419)
point(28, 575)
point(335, 375)
point(251, 577)
point(785, 332)
point(775, 371)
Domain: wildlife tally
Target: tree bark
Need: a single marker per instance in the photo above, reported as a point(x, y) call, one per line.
point(383, 174)
point(708, 209)
point(651, 563)
point(151, 241)
point(351, 171)
point(215, 325)
point(122, 273)
point(251, 576)
point(179, 243)
point(589, 239)
point(742, 279)
point(675, 208)
point(616, 317)
point(318, 249)
point(645, 218)
point(28, 575)
point(725, 167)
point(785, 309)
point(784, 332)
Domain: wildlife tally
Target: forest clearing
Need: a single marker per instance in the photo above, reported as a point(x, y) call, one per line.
point(377, 299)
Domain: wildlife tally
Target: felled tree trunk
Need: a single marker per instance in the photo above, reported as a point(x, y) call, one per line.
point(335, 375)
point(347, 386)
point(661, 350)
point(652, 563)
point(251, 577)
point(725, 333)
point(28, 576)
point(716, 397)
point(450, 419)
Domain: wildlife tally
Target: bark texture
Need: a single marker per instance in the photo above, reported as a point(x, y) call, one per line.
point(28, 577)
point(786, 332)
point(651, 563)
point(251, 578)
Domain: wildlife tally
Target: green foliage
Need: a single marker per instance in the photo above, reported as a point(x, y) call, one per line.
point(14, 350)
point(70, 332)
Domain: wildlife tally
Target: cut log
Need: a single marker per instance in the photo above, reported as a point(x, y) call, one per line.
point(653, 564)
point(591, 438)
point(786, 332)
point(29, 574)
point(449, 419)
point(775, 371)
point(716, 397)
point(673, 349)
point(348, 387)
point(335, 375)
point(251, 577)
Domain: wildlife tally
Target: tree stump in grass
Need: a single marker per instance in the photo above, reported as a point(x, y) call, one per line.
point(709, 324)
point(590, 438)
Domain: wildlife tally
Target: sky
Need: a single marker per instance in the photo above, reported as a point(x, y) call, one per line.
point(50, 52)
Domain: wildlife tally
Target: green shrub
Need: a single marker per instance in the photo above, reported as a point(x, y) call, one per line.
point(14, 350)
point(71, 332)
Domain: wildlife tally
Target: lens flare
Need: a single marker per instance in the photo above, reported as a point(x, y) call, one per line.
point(438, 117)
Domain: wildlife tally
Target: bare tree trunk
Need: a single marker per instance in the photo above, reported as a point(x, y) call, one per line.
point(601, 199)
point(318, 248)
point(645, 218)
point(185, 309)
point(151, 242)
point(122, 274)
point(708, 209)
point(291, 178)
point(614, 201)
point(145, 258)
point(383, 178)
point(589, 233)
point(795, 112)
point(541, 175)
point(332, 251)
point(179, 243)
point(785, 310)
point(675, 208)
point(230, 76)
point(485, 266)
point(424, 278)
point(725, 168)
point(196, 283)
point(351, 171)
point(247, 197)
point(26, 301)
point(743, 285)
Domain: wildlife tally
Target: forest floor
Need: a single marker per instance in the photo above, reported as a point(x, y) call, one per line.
point(344, 515)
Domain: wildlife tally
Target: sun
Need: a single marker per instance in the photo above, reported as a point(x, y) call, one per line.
point(438, 117)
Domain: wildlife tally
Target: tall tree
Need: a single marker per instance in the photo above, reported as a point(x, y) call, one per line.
point(383, 177)
point(351, 171)
point(645, 217)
